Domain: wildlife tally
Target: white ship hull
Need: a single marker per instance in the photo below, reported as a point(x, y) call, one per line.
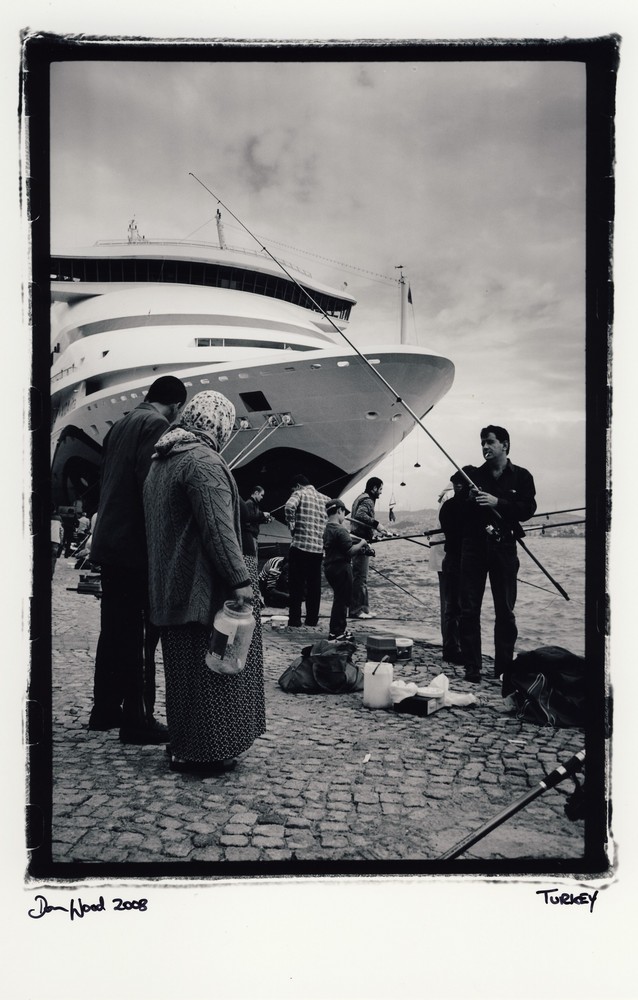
point(314, 407)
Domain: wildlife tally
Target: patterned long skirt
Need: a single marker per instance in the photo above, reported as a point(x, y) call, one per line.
point(212, 716)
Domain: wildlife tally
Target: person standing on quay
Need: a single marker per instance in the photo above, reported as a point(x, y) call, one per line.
point(305, 513)
point(251, 517)
point(195, 565)
point(118, 546)
point(450, 519)
point(505, 495)
point(339, 549)
point(363, 524)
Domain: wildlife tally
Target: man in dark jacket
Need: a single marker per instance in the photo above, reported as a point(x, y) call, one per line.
point(363, 524)
point(504, 496)
point(251, 517)
point(119, 547)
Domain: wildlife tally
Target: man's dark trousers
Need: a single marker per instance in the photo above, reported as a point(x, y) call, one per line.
point(119, 660)
point(449, 579)
point(482, 558)
point(304, 577)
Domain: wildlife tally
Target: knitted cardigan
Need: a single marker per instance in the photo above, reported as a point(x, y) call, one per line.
point(193, 533)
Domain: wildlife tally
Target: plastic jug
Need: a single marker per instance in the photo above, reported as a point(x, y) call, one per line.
point(233, 629)
point(377, 678)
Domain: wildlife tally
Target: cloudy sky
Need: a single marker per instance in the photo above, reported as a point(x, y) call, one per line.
point(471, 175)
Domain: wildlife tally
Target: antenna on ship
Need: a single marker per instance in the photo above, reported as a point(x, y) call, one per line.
point(220, 231)
point(405, 298)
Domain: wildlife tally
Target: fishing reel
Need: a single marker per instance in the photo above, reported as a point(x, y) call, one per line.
point(496, 534)
point(369, 551)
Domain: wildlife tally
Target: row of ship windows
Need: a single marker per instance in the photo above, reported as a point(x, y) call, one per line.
point(201, 342)
point(186, 272)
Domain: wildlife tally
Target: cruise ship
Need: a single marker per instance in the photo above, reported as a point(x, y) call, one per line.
point(259, 330)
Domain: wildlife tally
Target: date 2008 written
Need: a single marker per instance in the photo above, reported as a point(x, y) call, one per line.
point(78, 908)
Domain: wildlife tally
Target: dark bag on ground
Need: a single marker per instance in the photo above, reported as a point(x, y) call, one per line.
point(549, 687)
point(324, 668)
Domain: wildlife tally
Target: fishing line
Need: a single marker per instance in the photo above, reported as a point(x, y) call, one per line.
point(395, 584)
point(536, 585)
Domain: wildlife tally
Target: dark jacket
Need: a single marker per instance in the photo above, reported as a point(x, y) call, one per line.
point(516, 494)
point(451, 521)
point(119, 538)
point(251, 517)
point(363, 521)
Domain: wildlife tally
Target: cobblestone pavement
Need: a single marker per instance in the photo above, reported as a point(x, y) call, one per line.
point(329, 781)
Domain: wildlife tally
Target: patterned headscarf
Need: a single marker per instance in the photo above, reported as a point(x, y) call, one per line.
point(209, 417)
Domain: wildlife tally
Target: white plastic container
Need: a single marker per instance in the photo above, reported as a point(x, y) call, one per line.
point(377, 678)
point(230, 639)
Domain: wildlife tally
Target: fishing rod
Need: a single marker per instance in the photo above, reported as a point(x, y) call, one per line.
point(395, 584)
point(390, 537)
point(569, 510)
point(567, 770)
point(545, 527)
point(371, 368)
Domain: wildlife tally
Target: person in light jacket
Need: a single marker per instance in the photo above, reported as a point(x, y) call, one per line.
point(193, 531)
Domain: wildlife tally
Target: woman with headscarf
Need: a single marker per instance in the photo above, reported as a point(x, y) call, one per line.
point(193, 531)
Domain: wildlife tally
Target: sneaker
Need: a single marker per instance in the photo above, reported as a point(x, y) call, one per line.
point(345, 636)
point(364, 614)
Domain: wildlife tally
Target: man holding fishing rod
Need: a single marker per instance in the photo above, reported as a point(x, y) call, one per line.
point(363, 524)
point(503, 495)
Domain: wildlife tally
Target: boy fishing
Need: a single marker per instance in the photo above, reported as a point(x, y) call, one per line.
point(339, 548)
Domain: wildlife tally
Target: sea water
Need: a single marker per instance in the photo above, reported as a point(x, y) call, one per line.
point(543, 616)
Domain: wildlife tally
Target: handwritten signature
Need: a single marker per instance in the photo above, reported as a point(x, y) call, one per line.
point(79, 909)
point(568, 898)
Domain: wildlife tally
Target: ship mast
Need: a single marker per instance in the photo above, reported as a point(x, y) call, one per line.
point(403, 300)
point(220, 231)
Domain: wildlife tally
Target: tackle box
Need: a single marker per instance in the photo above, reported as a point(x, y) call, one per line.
point(380, 646)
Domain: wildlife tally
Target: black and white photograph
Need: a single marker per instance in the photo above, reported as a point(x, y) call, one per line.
point(320, 367)
point(357, 275)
